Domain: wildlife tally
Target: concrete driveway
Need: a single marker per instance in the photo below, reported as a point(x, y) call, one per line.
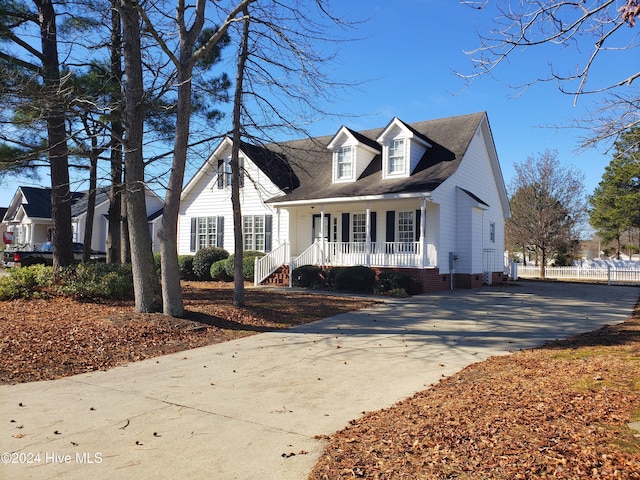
point(253, 408)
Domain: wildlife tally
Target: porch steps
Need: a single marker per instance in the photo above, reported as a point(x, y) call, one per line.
point(280, 277)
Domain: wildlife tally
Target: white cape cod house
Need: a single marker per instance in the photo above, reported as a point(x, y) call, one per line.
point(425, 198)
point(28, 217)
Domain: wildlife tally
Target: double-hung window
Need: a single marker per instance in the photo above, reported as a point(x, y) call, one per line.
point(344, 163)
point(225, 174)
point(397, 158)
point(406, 231)
point(207, 232)
point(359, 227)
point(253, 232)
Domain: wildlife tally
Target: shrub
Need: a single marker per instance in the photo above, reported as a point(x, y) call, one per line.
point(248, 264)
point(355, 279)
point(397, 284)
point(26, 282)
point(308, 276)
point(90, 281)
point(185, 265)
point(204, 258)
point(330, 275)
point(157, 259)
point(219, 271)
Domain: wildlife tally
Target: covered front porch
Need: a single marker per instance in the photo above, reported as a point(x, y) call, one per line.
point(400, 232)
point(369, 254)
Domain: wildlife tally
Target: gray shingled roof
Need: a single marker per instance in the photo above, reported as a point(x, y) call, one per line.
point(39, 201)
point(80, 202)
point(311, 162)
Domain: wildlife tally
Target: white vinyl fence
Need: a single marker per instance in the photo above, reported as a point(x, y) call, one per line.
point(611, 274)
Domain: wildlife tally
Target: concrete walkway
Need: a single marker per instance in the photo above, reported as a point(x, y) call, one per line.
point(252, 408)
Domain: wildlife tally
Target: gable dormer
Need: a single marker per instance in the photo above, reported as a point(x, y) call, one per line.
point(402, 149)
point(352, 153)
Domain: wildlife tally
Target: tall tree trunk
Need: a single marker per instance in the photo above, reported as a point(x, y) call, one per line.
point(91, 201)
point(543, 262)
point(114, 231)
point(238, 275)
point(125, 244)
point(146, 284)
point(172, 294)
point(172, 302)
point(57, 138)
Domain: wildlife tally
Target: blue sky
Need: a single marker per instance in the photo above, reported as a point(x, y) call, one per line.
point(407, 55)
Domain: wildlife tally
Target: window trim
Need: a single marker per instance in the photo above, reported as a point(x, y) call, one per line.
point(392, 145)
point(409, 240)
point(265, 234)
point(194, 240)
point(225, 174)
point(356, 216)
point(344, 158)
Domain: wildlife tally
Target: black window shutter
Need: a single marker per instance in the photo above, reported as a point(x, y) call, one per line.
point(220, 174)
point(194, 230)
point(372, 221)
point(391, 226)
point(220, 232)
point(345, 227)
point(417, 225)
point(268, 227)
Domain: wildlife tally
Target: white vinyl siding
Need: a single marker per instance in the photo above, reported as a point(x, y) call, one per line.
point(457, 232)
point(203, 198)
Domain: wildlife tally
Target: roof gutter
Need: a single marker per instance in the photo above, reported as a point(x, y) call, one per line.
point(361, 198)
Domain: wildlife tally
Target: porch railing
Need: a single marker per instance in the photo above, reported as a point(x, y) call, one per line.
point(375, 254)
point(335, 254)
point(265, 266)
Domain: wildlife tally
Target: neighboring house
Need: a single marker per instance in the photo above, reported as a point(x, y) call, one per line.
point(4, 239)
point(29, 217)
point(426, 198)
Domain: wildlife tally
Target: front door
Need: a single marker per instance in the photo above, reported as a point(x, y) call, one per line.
point(316, 230)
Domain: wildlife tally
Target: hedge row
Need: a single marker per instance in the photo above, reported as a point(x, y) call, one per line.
point(213, 263)
point(354, 279)
point(90, 281)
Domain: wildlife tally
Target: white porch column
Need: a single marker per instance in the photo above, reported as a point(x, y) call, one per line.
point(368, 234)
point(322, 242)
point(278, 241)
point(423, 223)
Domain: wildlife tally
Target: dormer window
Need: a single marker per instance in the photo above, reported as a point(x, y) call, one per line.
point(352, 152)
point(397, 157)
point(345, 163)
point(403, 148)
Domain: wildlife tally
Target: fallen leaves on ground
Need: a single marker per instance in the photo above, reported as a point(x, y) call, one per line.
point(57, 337)
point(560, 411)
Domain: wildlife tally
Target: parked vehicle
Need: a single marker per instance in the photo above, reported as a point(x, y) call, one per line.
point(25, 258)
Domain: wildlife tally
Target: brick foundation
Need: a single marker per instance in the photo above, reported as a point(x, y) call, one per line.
point(279, 278)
